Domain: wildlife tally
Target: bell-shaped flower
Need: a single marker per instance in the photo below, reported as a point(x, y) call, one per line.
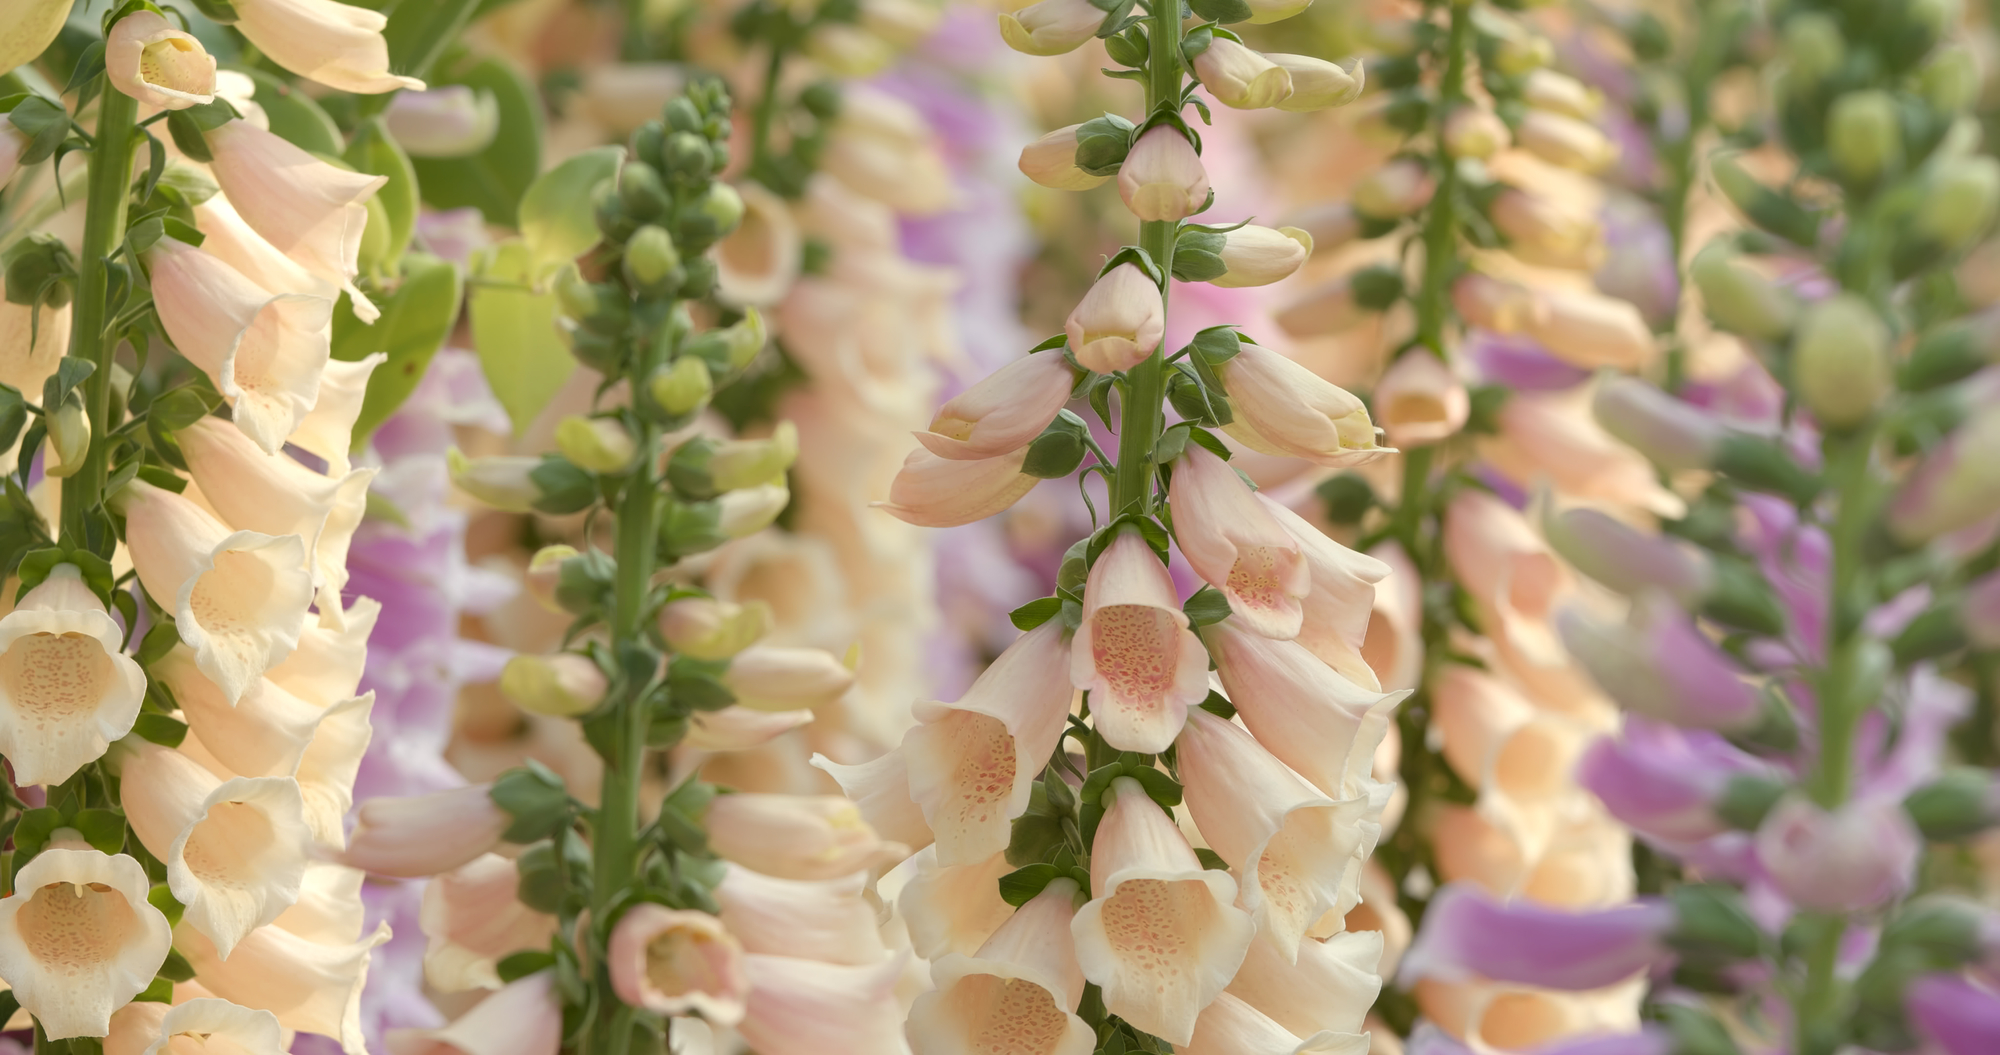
point(328, 430)
point(1240, 77)
point(1133, 651)
point(1018, 994)
point(883, 148)
point(1498, 741)
point(423, 835)
point(1545, 231)
point(671, 962)
point(1336, 611)
point(1051, 27)
point(78, 939)
point(1511, 575)
point(1258, 256)
point(338, 45)
point(329, 909)
point(33, 337)
point(1318, 84)
point(952, 909)
point(446, 122)
point(756, 265)
point(276, 495)
point(830, 920)
point(1665, 782)
point(804, 1007)
point(1855, 857)
point(1330, 986)
point(880, 789)
point(235, 850)
point(1662, 666)
point(67, 689)
point(264, 351)
point(795, 836)
point(1289, 844)
point(1627, 559)
point(148, 59)
point(1230, 1026)
point(1161, 935)
point(973, 763)
point(1232, 541)
point(272, 733)
point(309, 210)
point(1004, 412)
point(239, 598)
point(472, 919)
point(1674, 434)
point(1051, 162)
point(1953, 1013)
point(1475, 132)
point(229, 239)
point(1284, 409)
point(326, 666)
point(1317, 722)
point(203, 1025)
point(525, 1018)
point(1472, 936)
point(1419, 400)
point(1162, 179)
point(1394, 190)
point(740, 728)
point(772, 678)
point(1590, 330)
point(312, 987)
point(930, 491)
point(1119, 322)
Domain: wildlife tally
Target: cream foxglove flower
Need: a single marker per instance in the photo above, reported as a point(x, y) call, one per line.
point(756, 265)
point(326, 666)
point(1018, 994)
point(23, 366)
point(239, 598)
point(795, 836)
point(78, 939)
point(1232, 541)
point(201, 1026)
point(472, 919)
point(1337, 610)
point(773, 679)
point(1133, 651)
point(973, 763)
point(523, 1019)
point(735, 728)
point(1162, 178)
point(804, 1007)
point(1420, 401)
point(1232, 1027)
point(1119, 321)
point(829, 920)
point(264, 351)
point(148, 59)
point(328, 429)
point(235, 850)
point(66, 688)
point(930, 491)
point(1330, 986)
point(309, 210)
point(1051, 27)
point(338, 45)
point(1161, 935)
point(329, 909)
point(672, 962)
point(311, 987)
point(953, 909)
point(880, 789)
point(276, 495)
point(230, 239)
point(1301, 710)
point(423, 835)
point(1004, 412)
point(1288, 843)
point(1284, 409)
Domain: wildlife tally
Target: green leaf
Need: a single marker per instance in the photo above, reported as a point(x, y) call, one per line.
point(558, 217)
point(522, 964)
point(13, 416)
point(188, 138)
point(537, 800)
point(104, 830)
point(415, 322)
point(34, 829)
point(295, 118)
point(419, 33)
point(1210, 859)
point(495, 179)
point(176, 968)
point(9, 1004)
point(373, 151)
point(160, 729)
point(1207, 607)
point(1035, 613)
point(1023, 885)
point(514, 329)
point(696, 684)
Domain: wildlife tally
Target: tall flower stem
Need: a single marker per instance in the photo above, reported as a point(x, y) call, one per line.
point(103, 230)
point(1441, 223)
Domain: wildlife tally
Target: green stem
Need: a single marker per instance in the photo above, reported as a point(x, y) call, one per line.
point(103, 230)
point(765, 116)
point(1441, 222)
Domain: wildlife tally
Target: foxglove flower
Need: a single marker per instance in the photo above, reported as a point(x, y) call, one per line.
point(1662, 666)
point(148, 59)
point(795, 836)
point(1855, 857)
point(1468, 935)
point(1316, 83)
point(447, 122)
point(1337, 610)
point(671, 961)
point(525, 1018)
point(78, 939)
point(312, 987)
point(1230, 1025)
point(423, 835)
point(229, 239)
point(328, 429)
point(1118, 323)
point(1329, 987)
point(930, 491)
point(309, 210)
point(1233, 542)
point(803, 1007)
point(1051, 161)
point(1258, 256)
point(338, 45)
point(201, 1026)
point(953, 909)
point(1133, 651)
point(1420, 401)
point(1019, 993)
point(1162, 178)
point(1317, 722)
point(1051, 27)
point(67, 689)
point(1284, 409)
point(1004, 412)
point(830, 920)
point(472, 919)
point(1240, 77)
point(880, 789)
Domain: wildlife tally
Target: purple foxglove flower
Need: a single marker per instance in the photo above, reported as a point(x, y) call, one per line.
point(1979, 612)
point(1956, 1015)
point(1466, 934)
point(1430, 1040)
point(1663, 667)
point(1855, 857)
point(1626, 559)
point(1520, 362)
point(1664, 781)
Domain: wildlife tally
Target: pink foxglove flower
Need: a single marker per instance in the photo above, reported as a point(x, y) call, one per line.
point(525, 1018)
point(1233, 542)
point(1467, 935)
point(671, 962)
point(472, 918)
point(930, 491)
point(67, 689)
point(338, 45)
point(1020, 990)
point(830, 920)
point(1855, 857)
point(1133, 651)
point(1282, 408)
point(1664, 667)
point(1420, 401)
point(423, 835)
point(148, 59)
point(1004, 412)
point(1335, 619)
point(880, 789)
point(78, 939)
point(264, 351)
point(1317, 722)
point(312, 986)
point(1162, 178)
point(804, 1007)
point(795, 836)
point(1118, 323)
point(1161, 935)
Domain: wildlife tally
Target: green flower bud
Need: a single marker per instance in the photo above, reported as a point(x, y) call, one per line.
point(682, 115)
point(1951, 82)
point(600, 307)
point(1814, 47)
point(739, 464)
point(724, 206)
point(1959, 804)
point(683, 387)
point(1840, 361)
point(641, 191)
point(746, 337)
point(600, 445)
point(649, 142)
point(69, 436)
point(1741, 299)
point(612, 219)
point(1865, 135)
point(1960, 202)
point(687, 156)
point(560, 686)
point(651, 259)
point(501, 482)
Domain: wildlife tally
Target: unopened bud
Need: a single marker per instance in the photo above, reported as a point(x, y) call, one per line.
point(705, 628)
point(1864, 135)
point(1394, 190)
point(1560, 93)
point(1162, 179)
point(1051, 27)
point(1318, 84)
point(724, 206)
point(1959, 804)
point(1240, 77)
point(598, 445)
point(1675, 435)
point(745, 338)
point(683, 387)
point(600, 307)
point(69, 437)
point(445, 122)
point(1051, 162)
point(1959, 202)
point(1259, 256)
point(1521, 50)
point(544, 574)
point(1951, 82)
point(1625, 559)
point(1739, 298)
point(1565, 141)
point(751, 510)
point(1118, 322)
point(1475, 132)
point(563, 685)
point(1545, 232)
point(1814, 47)
point(687, 155)
point(501, 482)
point(739, 464)
point(650, 258)
point(1840, 361)
point(641, 191)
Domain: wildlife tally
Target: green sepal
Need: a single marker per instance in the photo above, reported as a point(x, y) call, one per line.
point(1035, 613)
point(537, 800)
point(1206, 607)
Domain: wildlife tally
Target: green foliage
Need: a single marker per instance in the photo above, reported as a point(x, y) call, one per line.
point(496, 179)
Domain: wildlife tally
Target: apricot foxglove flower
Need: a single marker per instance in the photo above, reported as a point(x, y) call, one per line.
point(1330, 986)
point(312, 986)
point(78, 939)
point(326, 666)
point(1289, 844)
point(1161, 935)
point(756, 265)
point(774, 678)
point(1258, 256)
point(423, 835)
point(239, 598)
point(1317, 722)
point(1133, 651)
point(1232, 1025)
point(1240, 77)
point(1004, 412)
point(338, 45)
point(235, 850)
point(671, 961)
point(229, 239)
point(1162, 178)
point(472, 918)
point(328, 429)
point(1118, 323)
point(309, 210)
point(795, 836)
point(973, 763)
point(930, 491)
point(1019, 993)
point(525, 1018)
point(1336, 611)
point(800, 1007)
point(830, 920)
point(1565, 141)
point(1234, 543)
point(953, 909)
point(264, 351)
point(880, 789)
point(1420, 401)
point(1283, 408)
point(735, 728)
point(205, 1025)
point(148, 59)
point(67, 689)
point(1051, 27)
